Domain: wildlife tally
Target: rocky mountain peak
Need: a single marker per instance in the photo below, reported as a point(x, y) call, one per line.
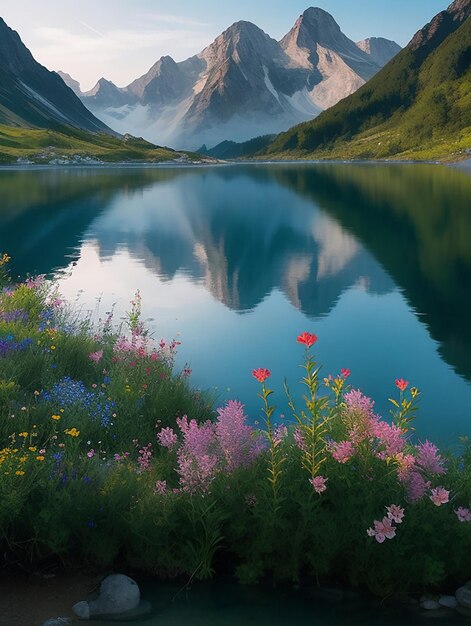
point(102, 86)
point(70, 82)
point(442, 25)
point(240, 39)
point(379, 49)
point(161, 84)
point(314, 26)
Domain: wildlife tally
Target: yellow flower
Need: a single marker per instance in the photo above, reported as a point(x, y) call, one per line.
point(23, 459)
point(25, 434)
point(56, 417)
point(19, 473)
point(72, 432)
point(32, 448)
point(53, 347)
point(40, 458)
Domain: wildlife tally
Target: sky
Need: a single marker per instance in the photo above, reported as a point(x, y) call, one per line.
point(122, 39)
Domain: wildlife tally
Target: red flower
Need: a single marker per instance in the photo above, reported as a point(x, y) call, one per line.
point(261, 374)
point(401, 384)
point(345, 372)
point(307, 339)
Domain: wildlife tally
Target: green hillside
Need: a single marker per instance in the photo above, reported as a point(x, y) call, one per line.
point(75, 146)
point(418, 106)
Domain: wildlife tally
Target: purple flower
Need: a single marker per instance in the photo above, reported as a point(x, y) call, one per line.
point(429, 459)
point(416, 486)
point(463, 515)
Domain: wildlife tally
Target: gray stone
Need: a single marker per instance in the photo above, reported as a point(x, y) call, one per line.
point(448, 601)
point(463, 595)
point(82, 610)
point(118, 594)
point(57, 621)
point(430, 605)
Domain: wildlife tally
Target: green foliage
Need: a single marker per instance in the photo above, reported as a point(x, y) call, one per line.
point(43, 146)
point(104, 492)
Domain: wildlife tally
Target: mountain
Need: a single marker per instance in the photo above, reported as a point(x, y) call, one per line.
point(243, 85)
point(379, 49)
point(32, 96)
point(105, 93)
point(234, 150)
point(418, 106)
point(70, 82)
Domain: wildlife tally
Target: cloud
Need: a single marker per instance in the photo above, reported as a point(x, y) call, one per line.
point(172, 19)
point(119, 54)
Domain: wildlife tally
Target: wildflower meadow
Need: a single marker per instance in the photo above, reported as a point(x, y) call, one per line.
point(109, 458)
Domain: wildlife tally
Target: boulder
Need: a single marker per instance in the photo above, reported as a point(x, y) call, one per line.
point(448, 601)
point(58, 621)
point(463, 595)
point(118, 594)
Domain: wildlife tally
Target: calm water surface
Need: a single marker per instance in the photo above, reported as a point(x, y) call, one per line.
point(235, 261)
point(228, 604)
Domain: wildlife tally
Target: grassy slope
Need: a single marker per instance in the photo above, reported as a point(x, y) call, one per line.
point(418, 106)
point(41, 146)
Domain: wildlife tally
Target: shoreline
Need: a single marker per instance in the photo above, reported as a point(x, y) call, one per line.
point(464, 164)
point(31, 599)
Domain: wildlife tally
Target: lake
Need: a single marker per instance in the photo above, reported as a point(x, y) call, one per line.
point(236, 260)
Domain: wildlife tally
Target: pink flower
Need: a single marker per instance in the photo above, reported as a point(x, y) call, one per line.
point(463, 515)
point(416, 486)
point(405, 464)
point(401, 384)
point(395, 513)
point(300, 440)
point(429, 459)
point(145, 457)
point(389, 436)
point(279, 433)
point(167, 438)
point(439, 496)
point(382, 530)
point(238, 445)
point(319, 483)
point(345, 372)
point(342, 451)
point(96, 356)
point(160, 487)
point(307, 339)
point(261, 374)
point(91, 454)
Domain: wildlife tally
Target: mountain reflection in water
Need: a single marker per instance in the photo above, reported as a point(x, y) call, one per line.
point(377, 257)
